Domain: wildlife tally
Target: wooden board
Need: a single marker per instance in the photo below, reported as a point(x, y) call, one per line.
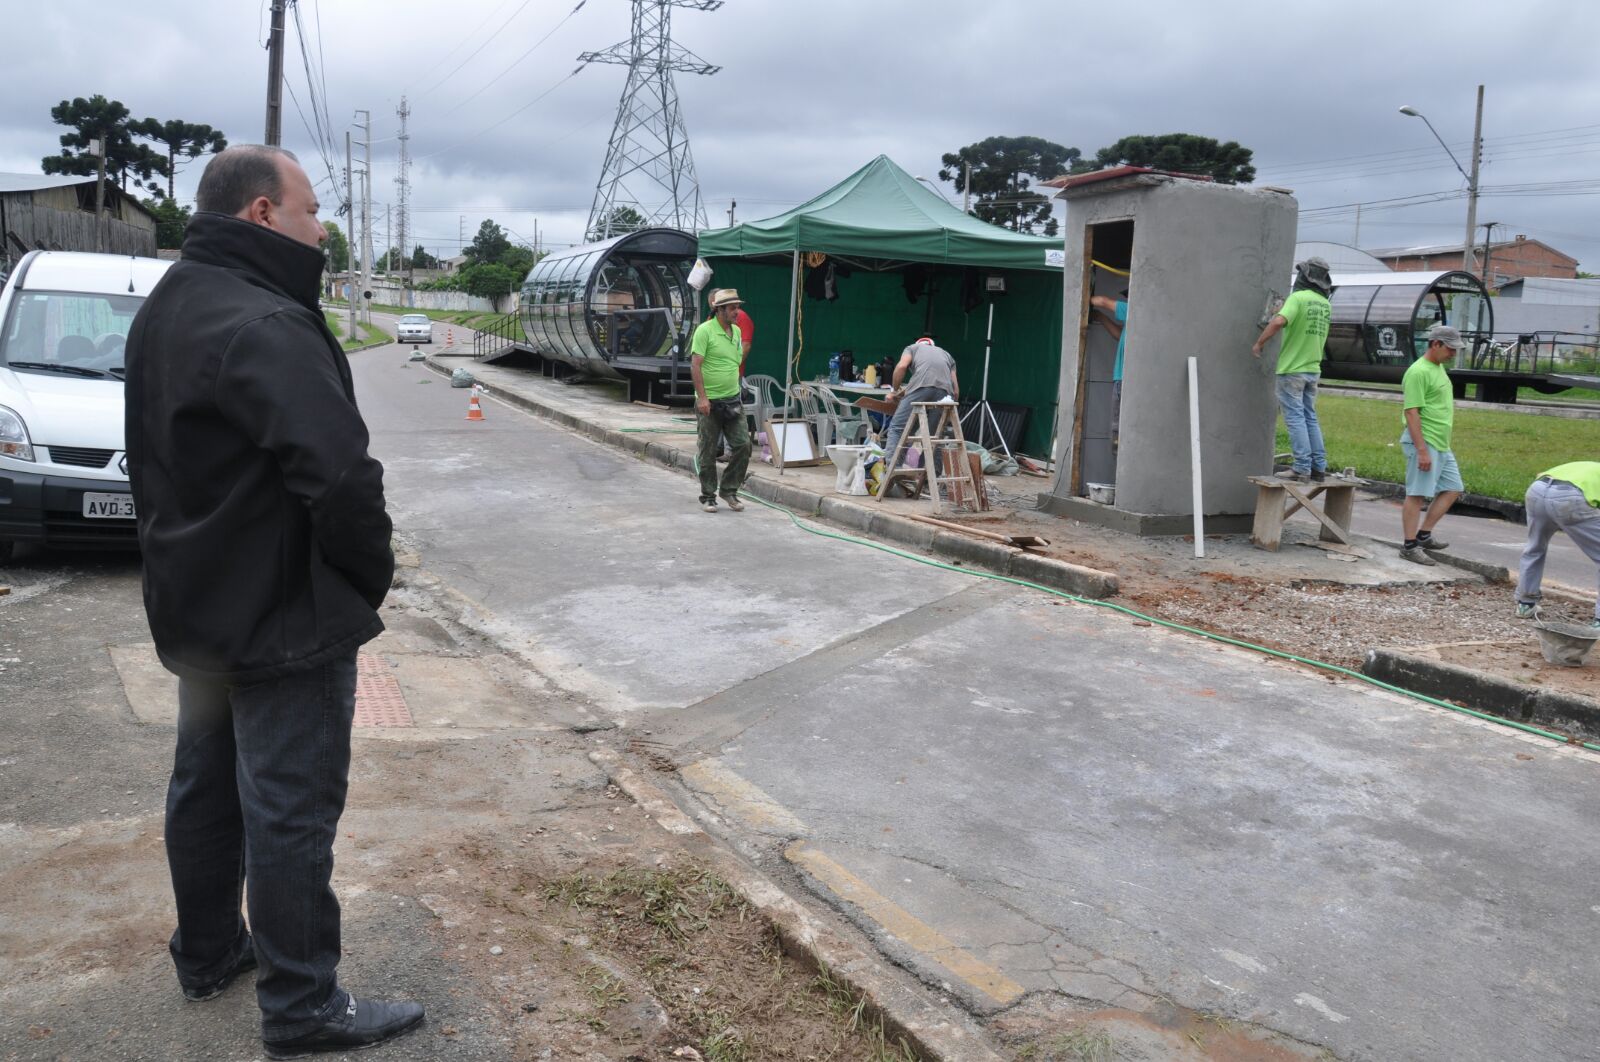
point(791, 442)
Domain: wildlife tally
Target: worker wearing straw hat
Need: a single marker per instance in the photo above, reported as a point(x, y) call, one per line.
point(715, 353)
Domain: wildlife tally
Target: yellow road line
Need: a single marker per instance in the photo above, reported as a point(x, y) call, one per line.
point(905, 926)
point(741, 800)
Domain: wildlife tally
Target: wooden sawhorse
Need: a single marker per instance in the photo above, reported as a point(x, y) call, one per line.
point(1279, 499)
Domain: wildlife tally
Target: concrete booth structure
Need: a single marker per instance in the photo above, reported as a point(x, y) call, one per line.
point(1205, 267)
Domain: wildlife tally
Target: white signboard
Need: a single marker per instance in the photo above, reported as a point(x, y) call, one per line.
point(1055, 258)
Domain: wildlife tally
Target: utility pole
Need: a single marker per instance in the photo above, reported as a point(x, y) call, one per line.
point(403, 182)
point(367, 261)
point(732, 204)
point(966, 186)
point(388, 235)
point(535, 239)
point(350, 201)
point(274, 135)
point(1472, 186)
point(98, 147)
point(461, 233)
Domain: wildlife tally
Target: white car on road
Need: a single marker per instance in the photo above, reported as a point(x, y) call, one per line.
point(414, 328)
point(64, 320)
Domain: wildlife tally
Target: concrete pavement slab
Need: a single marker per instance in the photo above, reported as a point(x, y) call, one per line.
point(1243, 838)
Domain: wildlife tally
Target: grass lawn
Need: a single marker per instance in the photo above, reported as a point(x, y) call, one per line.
point(337, 323)
point(1499, 453)
point(466, 318)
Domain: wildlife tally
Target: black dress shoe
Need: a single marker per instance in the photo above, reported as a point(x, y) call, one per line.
point(367, 1023)
point(212, 989)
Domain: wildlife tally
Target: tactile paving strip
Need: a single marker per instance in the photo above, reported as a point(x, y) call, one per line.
point(379, 701)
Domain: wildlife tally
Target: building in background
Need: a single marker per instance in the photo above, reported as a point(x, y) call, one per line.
point(1508, 260)
point(56, 213)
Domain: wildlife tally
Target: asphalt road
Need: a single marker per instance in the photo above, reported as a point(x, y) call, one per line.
point(1020, 797)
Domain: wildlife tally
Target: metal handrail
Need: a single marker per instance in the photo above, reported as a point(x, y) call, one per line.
point(497, 336)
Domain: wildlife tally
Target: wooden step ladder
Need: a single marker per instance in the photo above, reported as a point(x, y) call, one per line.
point(944, 459)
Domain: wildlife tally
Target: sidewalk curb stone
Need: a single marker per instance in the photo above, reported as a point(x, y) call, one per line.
point(1487, 693)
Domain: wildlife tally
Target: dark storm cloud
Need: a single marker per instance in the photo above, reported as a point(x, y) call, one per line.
point(809, 92)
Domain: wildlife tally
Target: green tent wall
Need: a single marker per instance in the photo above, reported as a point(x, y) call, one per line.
point(878, 220)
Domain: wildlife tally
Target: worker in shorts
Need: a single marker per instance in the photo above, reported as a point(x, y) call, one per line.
point(1431, 472)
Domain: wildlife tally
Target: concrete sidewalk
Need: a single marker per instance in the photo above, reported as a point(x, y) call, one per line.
point(1082, 558)
point(1043, 809)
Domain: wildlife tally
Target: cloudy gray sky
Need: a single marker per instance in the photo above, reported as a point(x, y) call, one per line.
point(810, 91)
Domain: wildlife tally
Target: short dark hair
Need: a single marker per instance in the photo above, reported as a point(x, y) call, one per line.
point(236, 176)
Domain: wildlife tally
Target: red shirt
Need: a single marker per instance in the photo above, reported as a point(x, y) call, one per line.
point(747, 332)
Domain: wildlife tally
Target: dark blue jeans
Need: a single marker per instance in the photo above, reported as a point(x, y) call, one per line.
point(258, 785)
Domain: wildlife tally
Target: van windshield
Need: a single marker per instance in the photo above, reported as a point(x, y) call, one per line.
point(70, 332)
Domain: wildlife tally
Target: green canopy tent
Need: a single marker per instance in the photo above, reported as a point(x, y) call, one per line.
point(905, 244)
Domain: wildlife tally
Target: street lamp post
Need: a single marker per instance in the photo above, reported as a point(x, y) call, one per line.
point(936, 188)
point(1467, 249)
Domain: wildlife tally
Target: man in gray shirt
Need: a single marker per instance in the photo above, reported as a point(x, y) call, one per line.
point(925, 373)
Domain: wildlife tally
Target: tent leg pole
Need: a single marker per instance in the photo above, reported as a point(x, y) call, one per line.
point(788, 358)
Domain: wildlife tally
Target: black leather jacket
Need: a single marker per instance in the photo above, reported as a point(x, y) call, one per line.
point(261, 515)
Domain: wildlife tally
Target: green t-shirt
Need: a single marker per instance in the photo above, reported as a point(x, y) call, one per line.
point(1305, 334)
point(1427, 390)
point(722, 354)
point(1585, 475)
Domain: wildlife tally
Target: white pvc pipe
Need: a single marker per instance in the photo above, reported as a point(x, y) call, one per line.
point(788, 358)
point(1194, 456)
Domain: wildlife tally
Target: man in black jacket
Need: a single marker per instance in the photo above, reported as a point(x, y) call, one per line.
point(266, 556)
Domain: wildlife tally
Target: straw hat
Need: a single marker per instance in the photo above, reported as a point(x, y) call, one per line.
point(725, 297)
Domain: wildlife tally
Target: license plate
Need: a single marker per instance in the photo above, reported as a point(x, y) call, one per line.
point(108, 506)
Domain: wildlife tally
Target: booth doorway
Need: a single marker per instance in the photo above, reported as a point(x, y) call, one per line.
point(1108, 256)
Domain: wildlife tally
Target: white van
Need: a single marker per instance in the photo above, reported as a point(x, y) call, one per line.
point(64, 320)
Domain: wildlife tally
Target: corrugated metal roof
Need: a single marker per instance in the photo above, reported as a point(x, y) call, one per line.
point(1455, 248)
point(1341, 257)
point(34, 182)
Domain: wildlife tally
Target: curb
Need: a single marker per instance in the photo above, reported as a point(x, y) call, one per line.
point(1515, 512)
point(865, 519)
point(1566, 713)
point(937, 1033)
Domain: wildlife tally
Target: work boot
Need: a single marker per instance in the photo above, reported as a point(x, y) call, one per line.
point(1530, 610)
point(708, 504)
point(732, 501)
point(358, 1025)
point(1318, 475)
point(1289, 474)
point(1416, 555)
point(1428, 542)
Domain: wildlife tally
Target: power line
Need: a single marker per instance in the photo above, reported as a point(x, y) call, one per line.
point(518, 59)
point(423, 94)
point(503, 121)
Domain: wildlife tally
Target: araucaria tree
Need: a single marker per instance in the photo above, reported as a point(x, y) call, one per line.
point(1228, 163)
point(188, 139)
point(98, 118)
point(1003, 170)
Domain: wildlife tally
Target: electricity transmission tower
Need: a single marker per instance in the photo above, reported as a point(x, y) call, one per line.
point(403, 183)
point(648, 166)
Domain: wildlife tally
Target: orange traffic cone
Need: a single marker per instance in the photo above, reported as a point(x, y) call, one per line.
point(474, 410)
point(449, 337)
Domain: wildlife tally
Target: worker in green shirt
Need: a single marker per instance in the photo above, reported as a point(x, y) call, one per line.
point(1566, 498)
point(1431, 472)
point(715, 353)
point(1303, 320)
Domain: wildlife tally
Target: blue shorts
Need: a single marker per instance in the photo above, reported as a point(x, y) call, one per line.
point(1443, 476)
